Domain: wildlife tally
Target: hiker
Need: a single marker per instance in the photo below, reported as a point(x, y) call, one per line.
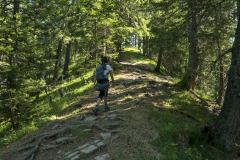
point(102, 73)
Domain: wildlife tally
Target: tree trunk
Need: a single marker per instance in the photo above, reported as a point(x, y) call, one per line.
point(159, 62)
point(148, 48)
point(95, 42)
point(67, 60)
point(145, 46)
point(12, 75)
point(140, 44)
point(58, 61)
point(189, 80)
point(221, 78)
point(135, 41)
point(221, 83)
point(228, 124)
point(220, 74)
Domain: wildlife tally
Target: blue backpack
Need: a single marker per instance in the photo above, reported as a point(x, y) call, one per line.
point(101, 78)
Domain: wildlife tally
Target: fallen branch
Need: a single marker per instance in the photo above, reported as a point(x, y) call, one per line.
point(185, 114)
point(174, 110)
point(203, 101)
point(220, 57)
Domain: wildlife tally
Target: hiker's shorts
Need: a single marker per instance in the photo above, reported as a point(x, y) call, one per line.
point(103, 93)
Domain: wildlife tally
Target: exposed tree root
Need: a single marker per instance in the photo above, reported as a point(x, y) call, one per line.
point(40, 139)
point(182, 113)
point(100, 128)
point(202, 101)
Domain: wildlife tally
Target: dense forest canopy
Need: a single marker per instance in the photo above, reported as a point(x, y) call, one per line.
point(45, 43)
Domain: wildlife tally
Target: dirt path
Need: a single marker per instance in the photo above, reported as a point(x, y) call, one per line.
point(120, 134)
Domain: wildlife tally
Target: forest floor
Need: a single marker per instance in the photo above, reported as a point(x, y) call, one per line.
point(149, 120)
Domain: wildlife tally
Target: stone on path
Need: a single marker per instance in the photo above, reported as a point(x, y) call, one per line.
point(103, 157)
point(71, 155)
point(77, 157)
point(112, 116)
point(83, 146)
point(100, 144)
point(113, 125)
point(106, 136)
point(87, 130)
point(64, 140)
point(85, 149)
point(90, 119)
point(89, 149)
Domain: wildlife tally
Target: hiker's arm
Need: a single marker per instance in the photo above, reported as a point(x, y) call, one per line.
point(94, 77)
point(111, 75)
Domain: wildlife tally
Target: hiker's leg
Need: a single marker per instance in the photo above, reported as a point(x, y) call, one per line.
point(106, 97)
point(106, 100)
point(98, 101)
point(100, 97)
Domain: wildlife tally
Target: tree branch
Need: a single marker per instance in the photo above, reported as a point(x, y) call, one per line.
point(220, 57)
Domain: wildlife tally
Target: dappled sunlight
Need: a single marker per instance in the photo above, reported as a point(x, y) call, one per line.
point(70, 83)
point(82, 89)
point(153, 111)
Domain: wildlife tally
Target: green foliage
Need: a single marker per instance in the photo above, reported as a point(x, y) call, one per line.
point(180, 137)
point(34, 54)
point(133, 55)
point(48, 51)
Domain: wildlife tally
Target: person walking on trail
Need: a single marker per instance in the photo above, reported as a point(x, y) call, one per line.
point(102, 73)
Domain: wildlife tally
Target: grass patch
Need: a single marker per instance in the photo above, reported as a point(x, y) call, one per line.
point(49, 106)
point(180, 137)
point(133, 55)
point(81, 133)
point(11, 135)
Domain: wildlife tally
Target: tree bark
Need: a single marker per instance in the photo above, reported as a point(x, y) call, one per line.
point(221, 78)
point(140, 44)
point(58, 61)
point(144, 46)
point(190, 77)
point(228, 123)
point(12, 77)
point(159, 62)
point(67, 60)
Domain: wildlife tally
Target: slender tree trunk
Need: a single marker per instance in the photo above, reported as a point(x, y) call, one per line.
point(11, 78)
point(95, 42)
point(58, 60)
point(159, 62)
point(67, 60)
point(104, 43)
point(144, 46)
point(148, 47)
point(221, 78)
point(219, 26)
point(189, 80)
point(228, 124)
point(135, 40)
point(140, 44)
point(118, 45)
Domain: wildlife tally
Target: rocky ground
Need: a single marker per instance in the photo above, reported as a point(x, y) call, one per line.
point(122, 133)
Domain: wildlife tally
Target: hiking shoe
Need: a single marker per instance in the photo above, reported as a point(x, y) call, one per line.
point(95, 111)
point(106, 109)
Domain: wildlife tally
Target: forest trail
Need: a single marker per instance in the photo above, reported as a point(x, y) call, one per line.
point(125, 132)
